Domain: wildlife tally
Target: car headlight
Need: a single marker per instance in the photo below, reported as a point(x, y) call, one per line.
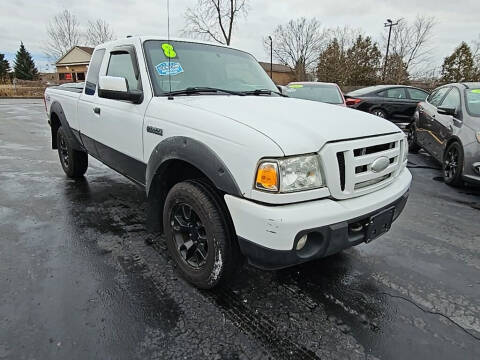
point(405, 146)
point(289, 174)
point(478, 136)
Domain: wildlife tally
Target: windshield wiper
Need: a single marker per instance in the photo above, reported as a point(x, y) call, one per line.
point(258, 92)
point(198, 89)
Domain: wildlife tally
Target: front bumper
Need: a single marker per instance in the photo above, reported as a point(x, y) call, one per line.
point(268, 234)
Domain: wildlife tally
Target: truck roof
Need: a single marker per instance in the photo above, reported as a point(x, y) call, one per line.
point(143, 38)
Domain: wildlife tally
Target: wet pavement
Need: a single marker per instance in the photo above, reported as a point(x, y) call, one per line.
point(80, 278)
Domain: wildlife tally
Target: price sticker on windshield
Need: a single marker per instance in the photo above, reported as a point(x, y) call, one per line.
point(168, 50)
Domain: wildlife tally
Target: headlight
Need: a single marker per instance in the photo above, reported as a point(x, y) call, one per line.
point(405, 146)
point(289, 174)
point(478, 136)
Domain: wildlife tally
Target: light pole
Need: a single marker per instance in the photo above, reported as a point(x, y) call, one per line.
point(271, 57)
point(388, 24)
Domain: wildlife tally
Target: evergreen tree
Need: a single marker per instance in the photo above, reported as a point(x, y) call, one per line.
point(24, 67)
point(332, 64)
point(460, 66)
point(396, 71)
point(363, 62)
point(4, 68)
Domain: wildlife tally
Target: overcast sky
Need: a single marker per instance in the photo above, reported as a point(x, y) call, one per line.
point(22, 20)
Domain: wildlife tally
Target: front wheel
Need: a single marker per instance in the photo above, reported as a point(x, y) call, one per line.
point(199, 237)
point(74, 162)
point(453, 165)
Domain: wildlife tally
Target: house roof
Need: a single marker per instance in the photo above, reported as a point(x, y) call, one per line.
point(275, 67)
point(86, 49)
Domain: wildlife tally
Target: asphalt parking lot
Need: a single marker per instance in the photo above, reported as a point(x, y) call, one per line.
point(80, 277)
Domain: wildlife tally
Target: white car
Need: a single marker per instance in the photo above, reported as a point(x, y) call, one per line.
point(231, 168)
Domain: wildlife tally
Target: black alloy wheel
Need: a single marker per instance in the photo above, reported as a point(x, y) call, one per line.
point(190, 235)
point(64, 158)
point(199, 234)
point(453, 165)
point(74, 162)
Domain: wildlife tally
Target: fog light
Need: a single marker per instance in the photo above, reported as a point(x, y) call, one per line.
point(301, 242)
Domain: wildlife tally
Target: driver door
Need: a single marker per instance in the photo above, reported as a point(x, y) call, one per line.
point(119, 133)
point(443, 125)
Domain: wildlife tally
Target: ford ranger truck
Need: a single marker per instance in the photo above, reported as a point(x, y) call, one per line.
point(232, 169)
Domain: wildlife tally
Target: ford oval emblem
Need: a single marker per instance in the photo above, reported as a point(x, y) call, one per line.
point(380, 164)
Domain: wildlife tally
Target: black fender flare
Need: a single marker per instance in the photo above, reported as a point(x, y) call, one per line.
point(196, 154)
point(56, 108)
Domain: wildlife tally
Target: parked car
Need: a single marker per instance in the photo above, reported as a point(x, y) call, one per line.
point(230, 167)
point(396, 103)
point(316, 91)
point(447, 125)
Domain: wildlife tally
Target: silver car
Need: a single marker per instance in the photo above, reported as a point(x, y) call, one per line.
point(447, 125)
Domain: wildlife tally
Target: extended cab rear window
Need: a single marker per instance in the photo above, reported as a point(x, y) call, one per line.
point(93, 70)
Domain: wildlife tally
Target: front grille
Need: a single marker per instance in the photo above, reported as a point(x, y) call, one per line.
point(341, 168)
point(354, 160)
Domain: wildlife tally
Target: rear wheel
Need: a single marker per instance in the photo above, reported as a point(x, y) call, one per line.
point(74, 162)
point(199, 237)
point(453, 165)
point(380, 113)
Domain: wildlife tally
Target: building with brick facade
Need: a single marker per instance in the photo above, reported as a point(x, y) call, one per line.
point(282, 74)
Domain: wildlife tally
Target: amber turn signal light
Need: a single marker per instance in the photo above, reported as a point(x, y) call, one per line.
point(267, 176)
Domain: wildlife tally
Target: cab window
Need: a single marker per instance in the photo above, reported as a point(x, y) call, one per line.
point(452, 100)
point(417, 95)
point(121, 65)
point(93, 70)
point(394, 93)
point(437, 96)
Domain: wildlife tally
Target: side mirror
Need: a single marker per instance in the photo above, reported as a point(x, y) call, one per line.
point(116, 88)
point(447, 110)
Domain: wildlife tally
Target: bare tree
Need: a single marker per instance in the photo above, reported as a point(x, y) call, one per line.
point(476, 51)
point(298, 43)
point(99, 31)
point(63, 34)
point(346, 36)
point(214, 19)
point(411, 42)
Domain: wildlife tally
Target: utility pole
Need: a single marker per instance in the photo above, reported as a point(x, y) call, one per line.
point(271, 57)
point(388, 24)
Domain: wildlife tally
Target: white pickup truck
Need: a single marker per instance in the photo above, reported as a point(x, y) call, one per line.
point(232, 169)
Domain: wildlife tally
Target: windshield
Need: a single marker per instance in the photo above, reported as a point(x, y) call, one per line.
point(473, 101)
point(192, 65)
point(324, 93)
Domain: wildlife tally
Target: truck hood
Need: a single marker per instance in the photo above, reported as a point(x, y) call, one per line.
point(296, 126)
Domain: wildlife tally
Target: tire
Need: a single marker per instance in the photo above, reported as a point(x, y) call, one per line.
point(199, 235)
point(452, 165)
point(413, 147)
point(379, 112)
point(74, 162)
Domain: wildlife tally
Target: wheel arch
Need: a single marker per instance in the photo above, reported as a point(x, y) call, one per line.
point(451, 140)
point(178, 159)
point(57, 119)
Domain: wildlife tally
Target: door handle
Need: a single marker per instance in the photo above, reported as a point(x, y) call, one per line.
point(96, 110)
